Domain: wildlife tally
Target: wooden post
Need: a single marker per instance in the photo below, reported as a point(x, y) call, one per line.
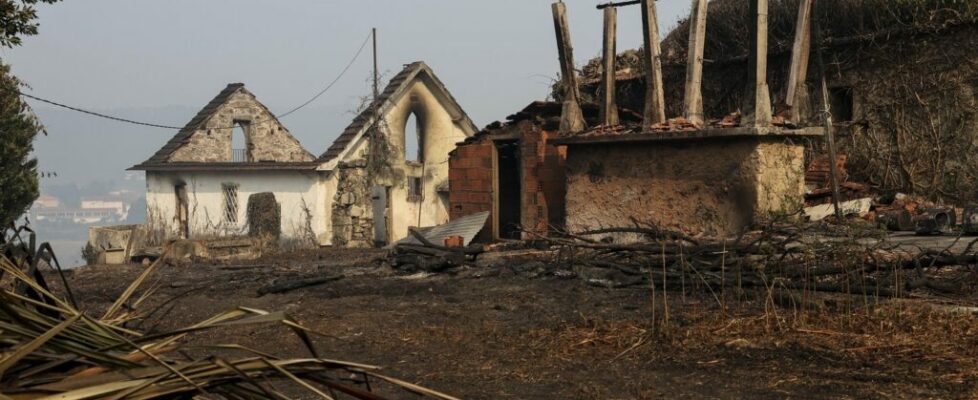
point(757, 97)
point(655, 109)
point(693, 100)
point(571, 118)
point(827, 119)
point(796, 97)
point(609, 107)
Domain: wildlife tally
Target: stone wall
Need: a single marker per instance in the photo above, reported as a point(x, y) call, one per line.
point(714, 186)
point(352, 207)
point(267, 139)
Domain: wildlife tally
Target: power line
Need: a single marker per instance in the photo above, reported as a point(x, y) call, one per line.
point(347, 68)
point(100, 115)
point(134, 122)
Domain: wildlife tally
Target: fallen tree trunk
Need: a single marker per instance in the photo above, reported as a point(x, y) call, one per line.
point(289, 285)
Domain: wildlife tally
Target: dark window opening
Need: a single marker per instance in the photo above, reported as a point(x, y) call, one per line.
point(842, 105)
point(413, 139)
point(230, 202)
point(509, 200)
point(415, 187)
point(239, 142)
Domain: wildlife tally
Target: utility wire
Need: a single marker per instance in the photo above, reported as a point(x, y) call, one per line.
point(100, 115)
point(134, 122)
point(347, 68)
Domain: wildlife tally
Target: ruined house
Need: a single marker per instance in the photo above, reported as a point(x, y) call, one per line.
point(901, 75)
point(363, 190)
point(688, 174)
point(513, 171)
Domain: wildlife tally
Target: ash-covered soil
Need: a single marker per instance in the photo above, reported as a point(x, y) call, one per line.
point(505, 333)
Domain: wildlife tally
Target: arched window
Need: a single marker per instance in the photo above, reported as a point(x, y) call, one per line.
point(239, 142)
point(413, 136)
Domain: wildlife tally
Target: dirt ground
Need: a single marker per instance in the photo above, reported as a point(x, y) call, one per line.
point(503, 333)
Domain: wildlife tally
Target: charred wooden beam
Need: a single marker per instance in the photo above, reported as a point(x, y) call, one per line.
point(757, 97)
point(571, 119)
point(609, 106)
point(655, 109)
point(618, 4)
point(796, 97)
point(693, 99)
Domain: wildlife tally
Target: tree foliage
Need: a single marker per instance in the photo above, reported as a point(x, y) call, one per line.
point(18, 18)
point(18, 170)
point(18, 125)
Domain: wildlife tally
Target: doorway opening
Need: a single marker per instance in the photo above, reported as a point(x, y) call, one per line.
point(381, 197)
point(183, 210)
point(509, 194)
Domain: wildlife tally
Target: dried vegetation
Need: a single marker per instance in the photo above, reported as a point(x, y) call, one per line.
point(52, 349)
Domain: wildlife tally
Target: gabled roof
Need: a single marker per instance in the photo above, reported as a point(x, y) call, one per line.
point(183, 136)
point(396, 88)
point(161, 160)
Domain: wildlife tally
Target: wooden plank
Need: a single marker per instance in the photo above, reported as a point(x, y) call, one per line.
point(827, 120)
point(796, 97)
point(609, 107)
point(693, 99)
point(757, 96)
point(571, 119)
point(655, 109)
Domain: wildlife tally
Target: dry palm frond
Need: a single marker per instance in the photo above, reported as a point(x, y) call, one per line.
point(52, 350)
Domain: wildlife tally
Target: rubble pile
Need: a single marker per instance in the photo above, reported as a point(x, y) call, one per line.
point(791, 259)
point(896, 212)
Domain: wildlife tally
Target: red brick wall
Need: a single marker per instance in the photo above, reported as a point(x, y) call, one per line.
point(470, 182)
point(544, 185)
point(543, 188)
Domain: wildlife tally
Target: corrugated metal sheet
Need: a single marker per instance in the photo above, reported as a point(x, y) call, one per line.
point(466, 227)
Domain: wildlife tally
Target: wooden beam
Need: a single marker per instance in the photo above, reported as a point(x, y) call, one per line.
point(619, 4)
point(655, 109)
point(757, 96)
point(796, 97)
point(571, 118)
point(693, 100)
point(827, 120)
point(609, 107)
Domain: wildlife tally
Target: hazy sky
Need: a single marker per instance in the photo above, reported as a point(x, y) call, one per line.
point(163, 60)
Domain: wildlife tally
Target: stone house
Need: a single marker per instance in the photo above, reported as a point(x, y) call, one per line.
point(364, 189)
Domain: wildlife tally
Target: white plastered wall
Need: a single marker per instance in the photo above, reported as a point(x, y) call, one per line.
point(440, 133)
point(295, 191)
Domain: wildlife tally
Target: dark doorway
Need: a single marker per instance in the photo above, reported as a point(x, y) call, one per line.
point(509, 195)
point(183, 210)
point(381, 204)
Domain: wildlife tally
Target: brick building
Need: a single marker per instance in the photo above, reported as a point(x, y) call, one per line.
point(513, 171)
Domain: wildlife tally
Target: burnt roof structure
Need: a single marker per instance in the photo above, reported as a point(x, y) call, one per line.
point(396, 88)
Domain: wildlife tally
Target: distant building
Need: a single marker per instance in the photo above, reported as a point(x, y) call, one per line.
point(115, 204)
point(46, 201)
point(75, 216)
